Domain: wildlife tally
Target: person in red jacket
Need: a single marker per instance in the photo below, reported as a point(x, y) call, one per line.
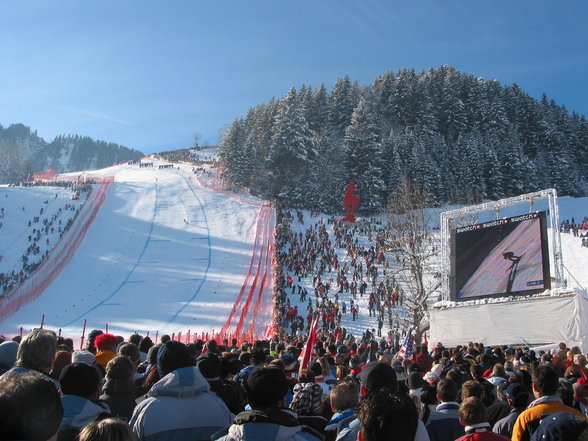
point(423, 359)
point(473, 415)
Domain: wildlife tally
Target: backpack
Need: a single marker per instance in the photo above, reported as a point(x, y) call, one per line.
point(307, 399)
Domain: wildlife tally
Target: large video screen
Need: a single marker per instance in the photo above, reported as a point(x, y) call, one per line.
point(500, 258)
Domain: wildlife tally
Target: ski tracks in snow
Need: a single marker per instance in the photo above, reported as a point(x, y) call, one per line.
point(166, 199)
point(208, 260)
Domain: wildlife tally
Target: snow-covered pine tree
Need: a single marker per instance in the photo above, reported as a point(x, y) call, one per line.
point(516, 168)
point(292, 148)
point(326, 183)
point(362, 158)
point(404, 102)
point(319, 113)
point(11, 162)
point(453, 113)
point(527, 121)
point(341, 107)
point(493, 112)
point(579, 141)
point(469, 167)
point(392, 165)
point(422, 171)
point(232, 153)
point(384, 87)
point(425, 122)
point(492, 173)
point(305, 96)
point(559, 163)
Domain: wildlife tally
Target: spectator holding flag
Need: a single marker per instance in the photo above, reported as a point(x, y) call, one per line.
point(406, 348)
point(308, 350)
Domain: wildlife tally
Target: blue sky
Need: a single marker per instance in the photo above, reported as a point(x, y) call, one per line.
point(151, 74)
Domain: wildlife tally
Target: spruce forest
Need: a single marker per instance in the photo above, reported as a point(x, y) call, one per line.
point(23, 152)
point(461, 138)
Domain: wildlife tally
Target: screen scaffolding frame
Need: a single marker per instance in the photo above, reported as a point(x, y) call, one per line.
point(465, 216)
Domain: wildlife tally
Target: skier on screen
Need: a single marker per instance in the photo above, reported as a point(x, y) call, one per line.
point(509, 255)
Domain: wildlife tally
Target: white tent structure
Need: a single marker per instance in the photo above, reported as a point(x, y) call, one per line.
point(532, 321)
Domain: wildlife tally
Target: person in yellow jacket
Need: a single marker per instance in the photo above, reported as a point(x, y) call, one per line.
point(106, 346)
point(545, 385)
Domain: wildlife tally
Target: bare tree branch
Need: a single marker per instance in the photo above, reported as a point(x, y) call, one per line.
point(410, 237)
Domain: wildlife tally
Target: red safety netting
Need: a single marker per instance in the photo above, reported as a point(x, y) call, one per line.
point(47, 175)
point(258, 285)
point(218, 189)
point(184, 337)
point(84, 177)
point(226, 329)
point(254, 302)
point(259, 279)
point(263, 303)
point(59, 256)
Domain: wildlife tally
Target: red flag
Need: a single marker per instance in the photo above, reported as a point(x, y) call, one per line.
point(308, 350)
point(425, 339)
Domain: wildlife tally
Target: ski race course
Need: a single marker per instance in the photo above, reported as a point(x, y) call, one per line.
point(163, 252)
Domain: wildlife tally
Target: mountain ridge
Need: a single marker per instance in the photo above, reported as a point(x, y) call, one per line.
point(23, 152)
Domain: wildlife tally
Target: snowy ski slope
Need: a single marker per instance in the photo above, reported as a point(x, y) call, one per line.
point(164, 254)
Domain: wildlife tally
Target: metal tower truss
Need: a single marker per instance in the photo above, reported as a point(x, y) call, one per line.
point(468, 216)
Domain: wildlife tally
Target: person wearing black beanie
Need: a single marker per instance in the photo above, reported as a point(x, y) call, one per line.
point(268, 420)
point(266, 387)
point(561, 426)
point(209, 366)
point(80, 386)
point(171, 356)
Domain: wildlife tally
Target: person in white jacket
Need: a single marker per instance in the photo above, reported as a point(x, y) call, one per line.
point(180, 406)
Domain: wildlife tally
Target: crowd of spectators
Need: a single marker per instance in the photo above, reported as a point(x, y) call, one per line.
point(143, 390)
point(325, 272)
point(137, 389)
point(577, 229)
point(46, 225)
point(187, 156)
